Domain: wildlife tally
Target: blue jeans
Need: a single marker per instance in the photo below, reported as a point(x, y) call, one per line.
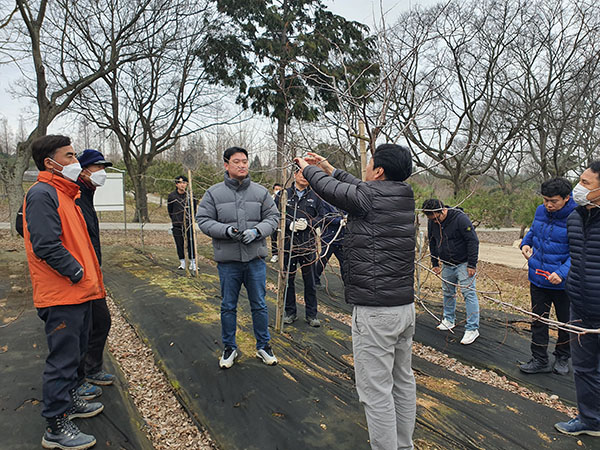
point(458, 276)
point(253, 275)
point(585, 355)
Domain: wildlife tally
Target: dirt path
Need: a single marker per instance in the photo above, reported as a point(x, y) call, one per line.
point(502, 254)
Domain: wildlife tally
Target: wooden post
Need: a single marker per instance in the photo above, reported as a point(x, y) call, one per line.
point(282, 279)
point(363, 149)
point(193, 214)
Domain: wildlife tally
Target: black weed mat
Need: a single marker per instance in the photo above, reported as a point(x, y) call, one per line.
point(501, 347)
point(307, 401)
point(23, 351)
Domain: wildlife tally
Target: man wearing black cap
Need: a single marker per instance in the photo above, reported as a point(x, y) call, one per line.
point(93, 175)
point(178, 205)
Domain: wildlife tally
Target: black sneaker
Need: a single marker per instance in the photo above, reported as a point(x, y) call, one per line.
point(64, 434)
point(535, 366)
point(228, 358)
point(267, 356)
point(561, 366)
point(82, 409)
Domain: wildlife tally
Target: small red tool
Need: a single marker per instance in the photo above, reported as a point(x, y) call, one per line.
point(543, 273)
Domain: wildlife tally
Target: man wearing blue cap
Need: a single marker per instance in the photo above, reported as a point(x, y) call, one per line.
point(93, 175)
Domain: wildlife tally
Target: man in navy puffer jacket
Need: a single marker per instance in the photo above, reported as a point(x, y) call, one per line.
point(583, 286)
point(546, 248)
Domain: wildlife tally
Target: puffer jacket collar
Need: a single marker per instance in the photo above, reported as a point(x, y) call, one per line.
point(62, 184)
point(236, 185)
point(563, 212)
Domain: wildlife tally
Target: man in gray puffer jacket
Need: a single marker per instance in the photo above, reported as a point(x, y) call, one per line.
point(379, 251)
point(239, 214)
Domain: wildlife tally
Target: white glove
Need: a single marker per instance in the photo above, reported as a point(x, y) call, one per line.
point(343, 222)
point(274, 258)
point(299, 225)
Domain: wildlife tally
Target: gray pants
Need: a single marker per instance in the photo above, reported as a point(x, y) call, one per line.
point(382, 346)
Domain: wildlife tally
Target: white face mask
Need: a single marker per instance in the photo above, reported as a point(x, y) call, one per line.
point(580, 194)
point(70, 171)
point(98, 178)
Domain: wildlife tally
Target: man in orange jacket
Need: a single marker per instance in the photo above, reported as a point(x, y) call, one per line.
point(66, 276)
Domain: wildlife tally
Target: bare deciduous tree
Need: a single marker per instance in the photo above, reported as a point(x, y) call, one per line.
point(162, 96)
point(45, 38)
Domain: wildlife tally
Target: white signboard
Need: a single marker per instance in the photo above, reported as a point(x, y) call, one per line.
point(110, 197)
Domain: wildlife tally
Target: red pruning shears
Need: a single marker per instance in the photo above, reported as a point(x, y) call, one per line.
point(543, 273)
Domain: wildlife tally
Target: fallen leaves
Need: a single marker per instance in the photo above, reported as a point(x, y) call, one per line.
point(167, 424)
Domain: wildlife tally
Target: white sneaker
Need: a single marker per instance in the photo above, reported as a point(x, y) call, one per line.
point(192, 265)
point(446, 325)
point(181, 264)
point(274, 258)
point(267, 356)
point(228, 358)
point(469, 337)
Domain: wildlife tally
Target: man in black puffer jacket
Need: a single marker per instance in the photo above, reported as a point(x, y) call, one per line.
point(304, 210)
point(583, 285)
point(379, 252)
point(454, 243)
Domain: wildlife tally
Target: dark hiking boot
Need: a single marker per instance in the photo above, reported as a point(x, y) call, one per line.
point(64, 434)
point(535, 366)
point(561, 366)
point(82, 409)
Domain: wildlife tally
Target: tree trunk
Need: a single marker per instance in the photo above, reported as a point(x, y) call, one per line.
point(141, 199)
point(12, 176)
point(280, 150)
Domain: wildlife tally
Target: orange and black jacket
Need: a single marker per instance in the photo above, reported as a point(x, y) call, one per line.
point(62, 263)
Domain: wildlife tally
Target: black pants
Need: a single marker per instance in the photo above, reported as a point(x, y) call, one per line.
point(586, 370)
point(67, 334)
point(326, 252)
point(178, 235)
point(99, 328)
point(274, 250)
point(306, 263)
point(541, 302)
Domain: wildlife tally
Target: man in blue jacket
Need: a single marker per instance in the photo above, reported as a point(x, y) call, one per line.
point(454, 243)
point(546, 249)
point(583, 285)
